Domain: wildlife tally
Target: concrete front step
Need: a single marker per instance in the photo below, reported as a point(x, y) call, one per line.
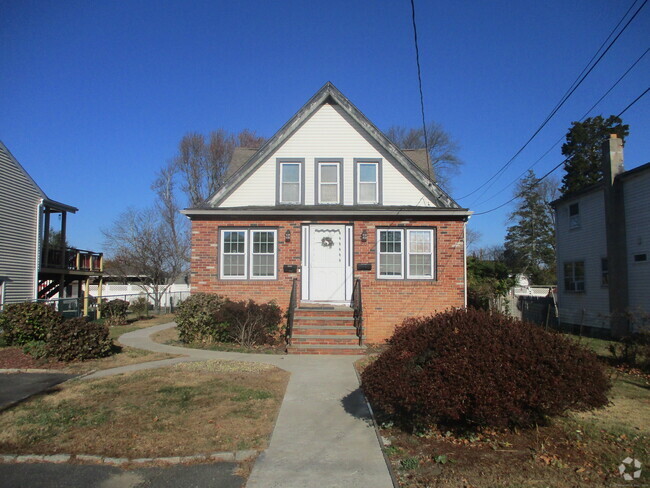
point(326, 349)
point(332, 330)
point(313, 339)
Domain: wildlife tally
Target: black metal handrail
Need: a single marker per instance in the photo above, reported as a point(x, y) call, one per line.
point(290, 311)
point(357, 306)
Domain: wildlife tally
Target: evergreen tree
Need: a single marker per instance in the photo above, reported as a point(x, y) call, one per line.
point(583, 150)
point(530, 241)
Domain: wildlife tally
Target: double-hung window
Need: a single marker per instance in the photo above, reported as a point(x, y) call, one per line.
point(367, 181)
point(248, 254)
point(329, 182)
point(574, 216)
point(574, 276)
point(290, 184)
point(406, 253)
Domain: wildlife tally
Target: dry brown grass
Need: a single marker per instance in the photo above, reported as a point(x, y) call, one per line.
point(128, 355)
point(187, 409)
point(166, 336)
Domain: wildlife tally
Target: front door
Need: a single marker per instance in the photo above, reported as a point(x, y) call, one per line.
point(327, 266)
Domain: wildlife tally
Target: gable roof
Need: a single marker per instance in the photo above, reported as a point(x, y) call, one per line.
point(239, 158)
point(330, 94)
point(52, 204)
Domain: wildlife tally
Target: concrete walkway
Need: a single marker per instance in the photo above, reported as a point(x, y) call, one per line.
point(323, 437)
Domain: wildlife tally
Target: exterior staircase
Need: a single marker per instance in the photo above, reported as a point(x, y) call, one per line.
point(324, 329)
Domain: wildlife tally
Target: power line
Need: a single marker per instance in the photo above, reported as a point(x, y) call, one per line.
point(562, 137)
point(566, 96)
point(530, 187)
point(417, 60)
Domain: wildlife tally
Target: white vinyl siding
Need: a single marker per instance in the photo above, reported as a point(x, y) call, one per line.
point(329, 184)
point(248, 254)
point(330, 132)
point(406, 253)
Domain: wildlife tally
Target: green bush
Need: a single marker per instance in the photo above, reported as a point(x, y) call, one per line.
point(196, 318)
point(29, 321)
point(250, 323)
point(36, 349)
point(114, 311)
point(633, 350)
point(77, 340)
point(139, 306)
point(469, 368)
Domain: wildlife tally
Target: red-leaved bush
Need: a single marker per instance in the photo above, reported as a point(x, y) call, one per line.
point(471, 368)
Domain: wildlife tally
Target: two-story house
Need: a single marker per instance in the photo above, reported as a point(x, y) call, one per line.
point(603, 250)
point(331, 212)
point(32, 264)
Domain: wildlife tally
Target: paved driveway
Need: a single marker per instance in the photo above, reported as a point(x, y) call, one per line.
point(15, 387)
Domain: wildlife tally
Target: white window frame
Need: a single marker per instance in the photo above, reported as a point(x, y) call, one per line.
point(574, 220)
point(275, 253)
point(2, 293)
point(409, 253)
point(281, 182)
point(405, 258)
point(573, 276)
point(358, 181)
point(337, 165)
point(222, 254)
point(248, 254)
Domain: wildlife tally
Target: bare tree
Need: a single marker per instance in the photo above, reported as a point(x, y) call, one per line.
point(143, 243)
point(202, 165)
point(472, 237)
point(443, 149)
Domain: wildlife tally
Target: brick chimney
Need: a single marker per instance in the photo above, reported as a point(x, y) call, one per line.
point(615, 229)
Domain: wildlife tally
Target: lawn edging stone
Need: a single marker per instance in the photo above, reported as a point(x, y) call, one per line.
point(227, 456)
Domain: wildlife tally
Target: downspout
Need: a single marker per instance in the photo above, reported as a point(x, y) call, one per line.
point(465, 258)
point(37, 267)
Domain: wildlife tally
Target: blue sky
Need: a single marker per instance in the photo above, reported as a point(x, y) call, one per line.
point(96, 95)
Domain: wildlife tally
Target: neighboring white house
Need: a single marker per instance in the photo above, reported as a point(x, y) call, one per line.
point(603, 249)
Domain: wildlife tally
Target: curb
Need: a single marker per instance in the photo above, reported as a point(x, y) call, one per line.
point(32, 370)
point(380, 439)
point(228, 456)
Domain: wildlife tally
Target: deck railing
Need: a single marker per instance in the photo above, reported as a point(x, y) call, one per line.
point(73, 259)
point(357, 306)
point(290, 311)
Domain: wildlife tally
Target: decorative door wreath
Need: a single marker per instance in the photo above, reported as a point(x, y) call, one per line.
point(327, 242)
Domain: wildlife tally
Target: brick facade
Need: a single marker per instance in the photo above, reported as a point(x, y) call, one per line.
point(386, 303)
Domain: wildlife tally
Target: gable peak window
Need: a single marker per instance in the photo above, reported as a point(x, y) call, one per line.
point(367, 181)
point(290, 182)
point(329, 182)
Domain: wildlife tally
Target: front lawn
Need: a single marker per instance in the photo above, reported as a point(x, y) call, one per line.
point(190, 408)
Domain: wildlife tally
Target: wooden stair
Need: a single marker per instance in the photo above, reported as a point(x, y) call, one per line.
point(324, 329)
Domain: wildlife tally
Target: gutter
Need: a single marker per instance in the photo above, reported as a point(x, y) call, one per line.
point(324, 211)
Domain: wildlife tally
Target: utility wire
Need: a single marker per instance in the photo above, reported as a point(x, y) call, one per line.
point(530, 187)
point(417, 60)
point(562, 137)
point(585, 72)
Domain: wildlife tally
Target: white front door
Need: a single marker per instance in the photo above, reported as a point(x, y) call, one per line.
point(327, 263)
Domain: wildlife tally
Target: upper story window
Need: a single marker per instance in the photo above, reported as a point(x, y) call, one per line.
point(604, 272)
point(329, 183)
point(574, 276)
point(290, 184)
point(406, 253)
point(248, 254)
point(574, 216)
point(368, 184)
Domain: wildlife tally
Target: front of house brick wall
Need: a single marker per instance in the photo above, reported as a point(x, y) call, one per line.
point(386, 303)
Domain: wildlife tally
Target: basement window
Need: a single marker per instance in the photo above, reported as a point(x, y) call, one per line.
point(640, 258)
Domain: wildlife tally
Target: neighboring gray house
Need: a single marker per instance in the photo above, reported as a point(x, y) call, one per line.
point(603, 250)
point(31, 266)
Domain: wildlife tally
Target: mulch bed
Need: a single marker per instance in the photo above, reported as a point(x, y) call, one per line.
point(15, 358)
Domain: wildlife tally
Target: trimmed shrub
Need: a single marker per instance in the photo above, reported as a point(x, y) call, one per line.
point(469, 368)
point(36, 349)
point(114, 311)
point(77, 340)
point(196, 318)
point(249, 323)
point(633, 350)
point(26, 322)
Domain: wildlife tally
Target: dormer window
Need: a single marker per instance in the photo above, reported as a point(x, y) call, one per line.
point(368, 182)
point(291, 184)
